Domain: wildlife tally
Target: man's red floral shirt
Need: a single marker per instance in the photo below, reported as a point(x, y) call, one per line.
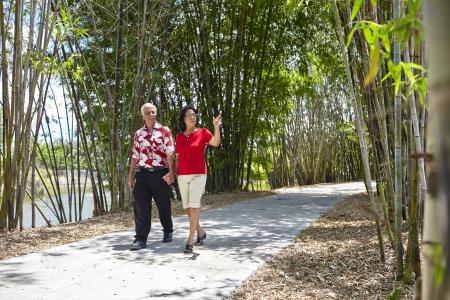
point(151, 147)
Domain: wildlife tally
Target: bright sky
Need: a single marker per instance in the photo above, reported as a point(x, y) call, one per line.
point(54, 103)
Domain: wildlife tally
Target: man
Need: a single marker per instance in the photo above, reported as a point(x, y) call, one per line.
point(150, 174)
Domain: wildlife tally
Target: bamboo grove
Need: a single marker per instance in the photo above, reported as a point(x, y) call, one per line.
point(309, 92)
point(386, 60)
point(85, 68)
point(386, 82)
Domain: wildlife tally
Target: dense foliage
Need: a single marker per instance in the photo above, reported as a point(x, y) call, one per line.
point(271, 68)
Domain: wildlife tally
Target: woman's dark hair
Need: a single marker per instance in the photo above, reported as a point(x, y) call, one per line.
point(181, 124)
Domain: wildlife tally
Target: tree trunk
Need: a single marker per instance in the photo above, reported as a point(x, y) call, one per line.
point(436, 226)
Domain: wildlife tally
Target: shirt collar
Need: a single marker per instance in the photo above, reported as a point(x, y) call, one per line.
point(156, 126)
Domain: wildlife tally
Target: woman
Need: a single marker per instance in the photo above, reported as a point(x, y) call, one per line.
point(190, 146)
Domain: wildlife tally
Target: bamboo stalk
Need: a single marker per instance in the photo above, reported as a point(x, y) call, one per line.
point(398, 158)
point(359, 126)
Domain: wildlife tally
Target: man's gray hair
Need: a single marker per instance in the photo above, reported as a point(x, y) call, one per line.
point(148, 104)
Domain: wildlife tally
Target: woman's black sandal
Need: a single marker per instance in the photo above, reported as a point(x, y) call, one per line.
point(188, 249)
point(200, 239)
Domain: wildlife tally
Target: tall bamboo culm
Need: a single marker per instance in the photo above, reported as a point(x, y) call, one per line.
point(360, 129)
point(398, 182)
point(435, 243)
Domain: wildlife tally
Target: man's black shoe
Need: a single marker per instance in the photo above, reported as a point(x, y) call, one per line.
point(167, 237)
point(138, 245)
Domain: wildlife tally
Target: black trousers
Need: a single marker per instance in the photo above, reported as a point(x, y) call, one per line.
point(149, 184)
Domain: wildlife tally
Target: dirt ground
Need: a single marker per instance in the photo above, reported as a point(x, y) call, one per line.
point(337, 257)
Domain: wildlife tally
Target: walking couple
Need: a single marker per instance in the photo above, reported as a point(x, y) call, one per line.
point(155, 161)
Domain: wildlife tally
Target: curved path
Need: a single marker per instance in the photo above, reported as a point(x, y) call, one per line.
point(241, 237)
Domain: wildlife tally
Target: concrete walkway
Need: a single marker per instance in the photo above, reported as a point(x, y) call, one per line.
point(241, 237)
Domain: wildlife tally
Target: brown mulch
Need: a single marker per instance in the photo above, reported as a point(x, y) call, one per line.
point(15, 243)
point(337, 257)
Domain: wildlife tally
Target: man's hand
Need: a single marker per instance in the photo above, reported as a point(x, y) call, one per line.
point(169, 178)
point(131, 182)
point(131, 174)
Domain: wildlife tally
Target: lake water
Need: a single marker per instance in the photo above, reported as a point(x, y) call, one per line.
point(87, 212)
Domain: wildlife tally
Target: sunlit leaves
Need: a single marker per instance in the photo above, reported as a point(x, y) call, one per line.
point(374, 66)
point(50, 65)
point(349, 130)
point(72, 67)
point(294, 6)
point(379, 37)
point(67, 26)
point(417, 83)
point(356, 7)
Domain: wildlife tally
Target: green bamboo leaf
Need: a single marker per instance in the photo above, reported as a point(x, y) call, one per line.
point(386, 42)
point(374, 66)
point(421, 88)
point(391, 66)
point(350, 36)
point(413, 7)
point(408, 72)
point(417, 66)
point(386, 76)
point(368, 35)
point(356, 7)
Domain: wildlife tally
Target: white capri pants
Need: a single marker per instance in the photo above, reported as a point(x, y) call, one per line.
point(191, 189)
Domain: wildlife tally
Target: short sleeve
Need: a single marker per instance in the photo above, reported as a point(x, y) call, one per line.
point(135, 147)
point(168, 142)
point(207, 135)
